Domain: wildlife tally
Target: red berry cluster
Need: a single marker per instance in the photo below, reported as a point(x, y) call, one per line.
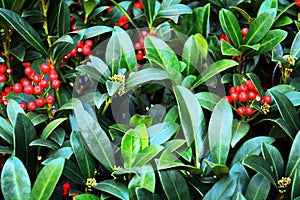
point(36, 84)
point(66, 188)
point(139, 46)
point(244, 96)
point(3, 70)
point(82, 47)
point(3, 94)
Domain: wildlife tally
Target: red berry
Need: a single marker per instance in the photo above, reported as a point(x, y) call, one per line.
point(31, 105)
point(17, 88)
point(40, 102)
point(28, 89)
point(88, 43)
point(23, 105)
point(139, 55)
point(38, 90)
point(267, 99)
point(25, 81)
point(3, 68)
point(37, 78)
point(7, 90)
point(234, 96)
point(243, 88)
point(66, 186)
point(56, 83)
point(26, 64)
point(86, 50)
point(228, 99)
point(252, 95)
point(44, 83)
point(28, 71)
point(138, 5)
point(232, 90)
point(241, 111)
point(2, 78)
point(45, 68)
point(243, 97)
point(244, 31)
point(50, 99)
point(53, 76)
point(80, 44)
point(249, 110)
point(138, 46)
point(297, 3)
point(110, 8)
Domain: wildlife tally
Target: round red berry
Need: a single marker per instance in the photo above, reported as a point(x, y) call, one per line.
point(228, 99)
point(249, 110)
point(243, 97)
point(37, 78)
point(252, 95)
point(66, 186)
point(28, 89)
point(139, 55)
point(45, 68)
point(243, 88)
point(53, 76)
point(297, 3)
point(234, 96)
point(56, 83)
point(138, 46)
point(31, 105)
point(38, 90)
point(88, 43)
point(25, 81)
point(17, 88)
point(267, 99)
point(40, 102)
point(7, 90)
point(244, 31)
point(2, 78)
point(44, 83)
point(241, 111)
point(23, 105)
point(3, 68)
point(86, 50)
point(28, 71)
point(50, 99)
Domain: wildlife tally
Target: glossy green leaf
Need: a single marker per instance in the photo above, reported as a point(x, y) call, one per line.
point(146, 155)
point(260, 27)
point(256, 82)
point(295, 186)
point(24, 29)
point(18, 52)
point(13, 108)
point(208, 100)
point(250, 147)
point(295, 49)
point(47, 179)
point(36, 118)
point(258, 188)
point(86, 162)
point(114, 188)
point(267, 5)
point(58, 136)
point(113, 87)
point(24, 133)
point(63, 152)
point(162, 132)
point(144, 76)
point(72, 172)
point(172, 12)
point(287, 111)
point(86, 197)
point(294, 97)
point(137, 119)
point(96, 31)
point(149, 9)
point(214, 69)
point(239, 131)
point(228, 50)
point(294, 157)
point(88, 6)
point(192, 119)
point(44, 143)
point(130, 147)
point(142, 194)
point(218, 170)
point(142, 133)
point(283, 125)
point(174, 184)
point(220, 132)
point(157, 113)
point(261, 166)
point(6, 131)
point(95, 138)
point(51, 127)
point(18, 6)
point(243, 13)
point(15, 182)
point(230, 26)
point(63, 18)
point(283, 21)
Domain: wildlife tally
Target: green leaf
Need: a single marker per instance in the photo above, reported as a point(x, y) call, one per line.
point(260, 27)
point(295, 49)
point(113, 87)
point(142, 194)
point(137, 119)
point(228, 50)
point(149, 9)
point(219, 170)
point(72, 172)
point(172, 12)
point(267, 5)
point(6, 131)
point(64, 152)
point(96, 31)
point(130, 147)
point(24, 29)
point(86, 196)
point(37, 118)
point(220, 132)
point(258, 188)
point(256, 82)
point(250, 147)
point(18, 6)
point(213, 70)
point(47, 179)
point(95, 138)
point(24, 133)
point(239, 130)
point(63, 18)
point(162, 132)
point(58, 136)
point(261, 166)
point(18, 52)
point(15, 182)
point(283, 21)
point(174, 184)
point(13, 108)
point(230, 26)
point(274, 158)
point(88, 6)
point(287, 110)
point(51, 127)
point(283, 125)
point(114, 188)
point(269, 42)
point(144, 76)
point(142, 133)
point(192, 119)
point(295, 186)
point(86, 162)
point(294, 97)
point(44, 143)
point(294, 158)
point(146, 155)
point(243, 13)
point(208, 100)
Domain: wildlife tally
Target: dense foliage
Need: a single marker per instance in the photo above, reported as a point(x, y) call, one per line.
point(150, 99)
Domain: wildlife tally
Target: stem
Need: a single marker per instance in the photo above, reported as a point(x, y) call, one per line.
point(240, 61)
point(248, 120)
point(45, 26)
point(107, 103)
point(6, 45)
point(57, 97)
point(3, 4)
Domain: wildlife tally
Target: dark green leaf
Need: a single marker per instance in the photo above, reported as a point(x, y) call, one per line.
point(220, 132)
point(208, 100)
point(114, 188)
point(172, 12)
point(15, 182)
point(146, 155)
point(283, 125)
point(58, 136)
point(96, 31)
point(88, 6)
point(72, 172)
point(143, 194)
point(149, 9)
point(294, 97)
point(295, 49)
point(86, 197)
point(223, 189)
point(228, 50)
point(256, 82)
point(258, 188)
point(64, 152)
point(145, 179)
point(174, 184)
point(294, 157)
point(283, 21)
point(37, 118)
point(239, 130)
point(63, 18)
point(18, 6)
point(219, 170)
point(18, 52)
point(162, 132)
point(6, 131)
point(157, 113)
point(47, 179)
point(13, 108)
point(51, 127)
point(44, 143)
point(267, 5)
point(295, 187)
